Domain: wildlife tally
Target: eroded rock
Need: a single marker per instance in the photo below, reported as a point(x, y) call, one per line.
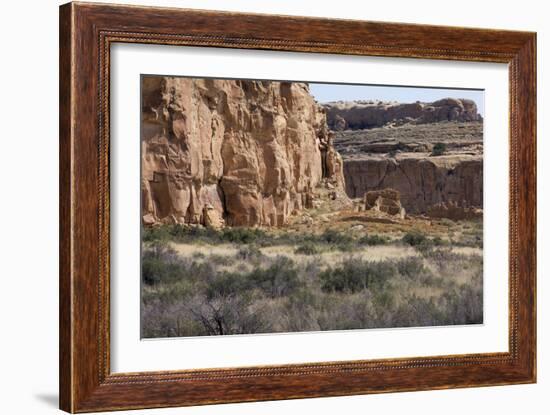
point(385, 201)
point(454, 211)
point(421, 181)
point(240, 153)
point(358, 115)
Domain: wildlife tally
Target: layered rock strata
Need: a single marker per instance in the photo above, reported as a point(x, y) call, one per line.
point(358, 115)
point(231, 152)
point(422, 181)
point(454, 211)
point(404, 157)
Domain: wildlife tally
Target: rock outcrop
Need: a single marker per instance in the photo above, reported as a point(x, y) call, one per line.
point(358, 115)
point(386, 201)
point(422, 181)
point(454, 211)
point(240, 153)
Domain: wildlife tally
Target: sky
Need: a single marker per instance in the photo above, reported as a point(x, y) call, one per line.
point(346, 92)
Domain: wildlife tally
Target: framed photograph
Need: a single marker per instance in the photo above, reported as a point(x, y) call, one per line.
point(252, 208)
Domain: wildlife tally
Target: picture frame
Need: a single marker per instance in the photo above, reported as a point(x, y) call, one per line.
point(87, 32)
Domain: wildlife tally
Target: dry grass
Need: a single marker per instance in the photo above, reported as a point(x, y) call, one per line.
point(270, 285)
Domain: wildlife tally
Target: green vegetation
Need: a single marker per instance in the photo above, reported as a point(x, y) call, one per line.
point(355, 275)
point(372, 240)
point(308, 248)
point(309, 244)
point(421, 242)
point(415, 239)
point(239, 281)
point(439, 149)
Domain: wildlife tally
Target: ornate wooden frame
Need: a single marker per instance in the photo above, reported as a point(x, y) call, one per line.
point(86, 33)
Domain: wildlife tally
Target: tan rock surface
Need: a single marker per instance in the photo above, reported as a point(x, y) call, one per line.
point(244, 153)
point(422, 181)
point(454, 211)
point(387, 201)
point(357, 115)
point(402, 158)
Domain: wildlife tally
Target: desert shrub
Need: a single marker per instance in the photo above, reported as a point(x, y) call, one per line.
point(338, 279)
point(346, 312)
point(254, 236)
point(250, 292)
point(184, 233)
point(372, 240)
point(301, 311)
point(249, 252)
point(159, 319)
point(384, 300)
point(217, 259)
point(159, 263)
point(167, 269)
point(225, 284)
point(439, 149)
point(472, 239)
point(449, 262)
point(411, 267)
point(231, 314)
point(355, 275)
point(168, 293)
point(416, 311)
point(243, 235)
point(462, 306)
point(156, 233)
point(378, 274)
point(334, 237)
point(421, 242)
point(442, 256)
point(414, 238)
point(199, 255)
point(277, 280)
point(307, 248)
point(187, 234)
point(197, 271)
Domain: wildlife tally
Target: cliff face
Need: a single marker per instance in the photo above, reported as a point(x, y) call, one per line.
point(422, 181)
point(404, 158)
point(358, 115)
point(243, 153)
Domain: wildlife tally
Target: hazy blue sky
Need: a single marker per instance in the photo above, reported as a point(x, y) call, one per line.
point(346, 92)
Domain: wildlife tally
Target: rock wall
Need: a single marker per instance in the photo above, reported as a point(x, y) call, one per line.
point(421, 181)
point(241, 153)
point(358, 115)
point(386, 201)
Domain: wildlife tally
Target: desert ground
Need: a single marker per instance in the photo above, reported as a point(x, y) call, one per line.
point(344, 273)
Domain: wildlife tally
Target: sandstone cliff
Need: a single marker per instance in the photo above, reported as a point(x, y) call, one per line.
point(241, 153)
point(403, 158)
point(422, 181)
point(357, 115)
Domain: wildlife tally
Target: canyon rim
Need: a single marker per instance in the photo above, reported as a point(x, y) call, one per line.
point(266, 208)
